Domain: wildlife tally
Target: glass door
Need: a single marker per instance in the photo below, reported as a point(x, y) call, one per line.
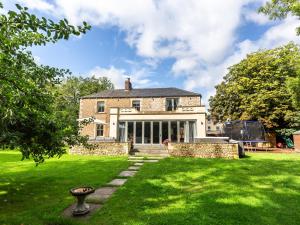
point(130, 131)
point(165, 130)
point(122, 131)
point(147, 132)
point(155, 133)
point(138, 132)
point(181, 131)
point(174, 134)
point(191, 131)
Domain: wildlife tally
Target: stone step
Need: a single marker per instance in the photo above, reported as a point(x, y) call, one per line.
point(142, 154)
point(135, 157)
point(135, 160)
point(144, 160)
point(149, 147)
point(151, 151)
point(151, 160)
point(145, 157)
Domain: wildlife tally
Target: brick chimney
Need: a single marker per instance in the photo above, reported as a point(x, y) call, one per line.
point(128, 85)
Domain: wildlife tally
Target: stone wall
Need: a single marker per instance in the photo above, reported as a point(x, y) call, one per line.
point(102, 148)
point(190, 101)
point(204, 150)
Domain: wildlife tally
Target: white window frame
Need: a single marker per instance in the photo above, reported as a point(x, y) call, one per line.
point(101, 128)
point(98, 102)
point(173, 105)
point(135, 100)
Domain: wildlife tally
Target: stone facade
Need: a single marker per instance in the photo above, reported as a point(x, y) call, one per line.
point(204, 150)
point(190, 101)
point(88, 108)
point(103, 148)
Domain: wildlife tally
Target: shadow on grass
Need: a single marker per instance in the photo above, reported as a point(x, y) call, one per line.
point(209, 191)
point(35, 195)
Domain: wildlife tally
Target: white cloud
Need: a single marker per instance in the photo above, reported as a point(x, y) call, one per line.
point(184, 65)
point(162, 29)
point(212, 74)
point(38, 5)
point(139, 77)
point(200, 35)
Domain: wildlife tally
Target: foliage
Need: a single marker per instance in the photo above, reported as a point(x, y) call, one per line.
point(69, 92)
point(279, 9)
point(293, 85)
point(255, 89)
point(27, 112)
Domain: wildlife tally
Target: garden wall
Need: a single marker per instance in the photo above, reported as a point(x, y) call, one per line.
point(102, 148)
point(204, 150)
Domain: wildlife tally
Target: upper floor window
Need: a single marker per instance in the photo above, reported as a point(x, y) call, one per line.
point(100, 106)
point(100, 130)
point(136, 104)
point(208, 128)
point(171, 104)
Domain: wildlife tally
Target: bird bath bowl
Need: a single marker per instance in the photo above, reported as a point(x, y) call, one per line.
point(80, 193)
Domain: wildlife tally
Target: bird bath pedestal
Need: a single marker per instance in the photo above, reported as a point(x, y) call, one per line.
point(81, 207)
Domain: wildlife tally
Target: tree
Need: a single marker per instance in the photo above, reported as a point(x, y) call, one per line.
point(69, 92)
point(27, 109)
point(280, 9)
point(293, 85)
point(255, 89)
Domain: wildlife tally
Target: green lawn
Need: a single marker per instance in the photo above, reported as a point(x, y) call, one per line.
point(32, 195)
point(260, 189)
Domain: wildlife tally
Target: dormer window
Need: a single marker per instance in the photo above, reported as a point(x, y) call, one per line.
point(171, 104)
point(100, 107)
point(136, 104)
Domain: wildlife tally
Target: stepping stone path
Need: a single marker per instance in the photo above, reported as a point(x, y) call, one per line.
point(127, 173)
point(97, 199)
point(136, 160)
point(100, 195)
point(134, 168)
point(117, 182)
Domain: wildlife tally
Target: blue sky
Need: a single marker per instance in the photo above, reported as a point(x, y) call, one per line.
point(188, 44)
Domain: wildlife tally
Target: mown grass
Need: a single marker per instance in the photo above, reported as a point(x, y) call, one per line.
point(32, 194)
point(260, 189)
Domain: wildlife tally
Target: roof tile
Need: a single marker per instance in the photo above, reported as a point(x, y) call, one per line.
point(142, 93)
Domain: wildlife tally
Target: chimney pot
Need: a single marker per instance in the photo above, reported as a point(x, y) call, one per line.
point(128, 85)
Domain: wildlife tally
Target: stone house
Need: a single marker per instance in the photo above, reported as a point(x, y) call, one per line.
point(146, 116)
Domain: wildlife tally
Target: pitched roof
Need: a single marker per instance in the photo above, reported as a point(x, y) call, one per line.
point(142, 93)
